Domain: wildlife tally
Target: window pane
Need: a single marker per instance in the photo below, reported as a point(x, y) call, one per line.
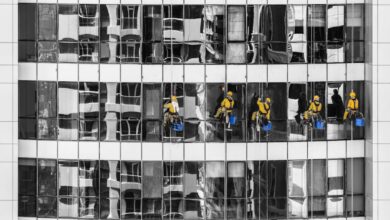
point(335, 206)
point(297, 105)
point(27, 206)
point(152, 101)
point(335, 177)
point(27, 177)
point(68, 179)
point(109, 208)
point(253, 179)
point(110, 109)
point(47, 15)
point(47, 178)
point(68, 207)
point(130, 23)
point(27, 22)
point(335, 100)
point(67, 129)
point(316, 177)
point(152, 185)
point(173, 209)
point(236, 180)
point(151, 208)
point(109, 23)
point(277, 208)
point(89, 207)
point(88, 178)
point(316, 23)
point(109, 179)
point(355, 176)
point(173, 180)
point(152, 23)
point(194, 180)
point(47, 52)
point(277, 179)
point(235, 53)
point(27, 99)
point(47, 207)
point(236, 23)
point(297, 208)
point(130, 53)
point(68, 100)
point(236, 208)
point(131, 180)
point(68, 52)
point(27, 128)
point(194, 209)
point(68, 21)
point(355, 22)
point(355, 206)
point(88, 22)
point(317, 206)
point(297, 179)
point(215, 208)
point(354, 52)
point(27, 51)
point(215, 179)
point(277, 92)
point(131, 208)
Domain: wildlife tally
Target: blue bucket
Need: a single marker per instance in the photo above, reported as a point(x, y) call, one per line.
point(359, 122)
point(178, 127)
point(267, 127)
point(232, 119)
point(319, 124)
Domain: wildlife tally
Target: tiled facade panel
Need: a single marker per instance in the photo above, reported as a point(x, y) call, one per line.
point(9, 118)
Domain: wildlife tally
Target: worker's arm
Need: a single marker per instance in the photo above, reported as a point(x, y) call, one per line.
point(350, 104)
point(320, 107)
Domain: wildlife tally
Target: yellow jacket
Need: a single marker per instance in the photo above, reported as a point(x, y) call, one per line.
point(315, 108)
point(353, 104)
point(173, 107)
point(227, 103)
point(264, 109)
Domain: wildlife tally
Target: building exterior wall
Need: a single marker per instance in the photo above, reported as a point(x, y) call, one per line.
point(378, 140)
point(211, 151)
point(9, 118)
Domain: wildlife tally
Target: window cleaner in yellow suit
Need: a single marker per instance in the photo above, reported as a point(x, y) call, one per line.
point(313, 113)
point(172, 111)
point(226, 107)
point(264, 112)
point(352, 107)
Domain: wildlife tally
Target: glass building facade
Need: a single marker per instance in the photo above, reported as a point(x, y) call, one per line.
point(93, 79)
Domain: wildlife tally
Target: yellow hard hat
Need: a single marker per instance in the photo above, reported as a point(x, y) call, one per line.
point(173, 98)
point(352, 94)
point(316, 98)
point(268, 100)
point(230, 93)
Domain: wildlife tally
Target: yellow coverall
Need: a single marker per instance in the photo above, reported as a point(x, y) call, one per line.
point(227, 105)
point(352, 107)
point(313, 110)
point(264, 110)
point(171, 114)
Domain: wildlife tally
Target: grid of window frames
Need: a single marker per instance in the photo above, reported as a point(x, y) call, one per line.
point(212, 34)
point(191, 190)
point(92, 111)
